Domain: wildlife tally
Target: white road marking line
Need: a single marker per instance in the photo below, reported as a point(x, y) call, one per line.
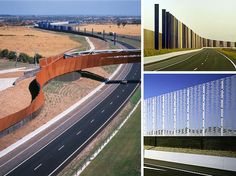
point(103, 111)
point(94, 132)
point(192, 172)
point(178, 62)
point(78, 132)
point(38, 166)
point(129, 68)
point(92, 121)
point(61, 148)
point(111, 103)
point(151, 168)
point(195, 68)
point(228, 59)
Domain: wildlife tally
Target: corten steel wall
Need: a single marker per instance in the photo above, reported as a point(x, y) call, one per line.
point(55, 66)
point(202, 110)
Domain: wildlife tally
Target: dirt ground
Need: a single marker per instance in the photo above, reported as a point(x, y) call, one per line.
point(55, 92)
point(30, 40)
point(134, 30)
point(15, 98)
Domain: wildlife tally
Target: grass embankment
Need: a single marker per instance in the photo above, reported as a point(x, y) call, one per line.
point(122, 155)
point(193, 151)
point(154, 52)
point(230, 53)
point(7, 64)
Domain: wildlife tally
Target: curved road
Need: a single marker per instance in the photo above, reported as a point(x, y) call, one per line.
point(50, 151)
point(204, 60)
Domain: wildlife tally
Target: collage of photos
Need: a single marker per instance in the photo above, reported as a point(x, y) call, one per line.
point(117, 88)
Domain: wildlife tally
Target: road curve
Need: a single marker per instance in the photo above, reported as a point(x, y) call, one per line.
point(50, 151)
point(204, 60)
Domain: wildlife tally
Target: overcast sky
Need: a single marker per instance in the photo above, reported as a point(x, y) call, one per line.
point(74, 7)
point(214, 19)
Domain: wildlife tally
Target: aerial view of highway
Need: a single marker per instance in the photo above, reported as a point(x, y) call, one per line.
point(76, 82)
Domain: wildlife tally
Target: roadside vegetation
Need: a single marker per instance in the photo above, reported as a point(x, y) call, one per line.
point(122, 155)
point(229, 52)
point(193, 151)
point(154, 52)
point(21, 57)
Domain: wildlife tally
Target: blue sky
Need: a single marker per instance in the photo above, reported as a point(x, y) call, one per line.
point(75, 7)
point(157, 84)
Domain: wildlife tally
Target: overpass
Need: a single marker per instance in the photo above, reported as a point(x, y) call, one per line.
point(52, 67)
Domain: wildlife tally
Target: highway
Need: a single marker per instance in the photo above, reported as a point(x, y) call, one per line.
point(162, 168)
point(49, 152)
point(204, 60)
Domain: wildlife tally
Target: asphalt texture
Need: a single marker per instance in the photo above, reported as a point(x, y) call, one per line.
point(205, 60)
point(48, 153)
point(162, 168)
point(53, 157)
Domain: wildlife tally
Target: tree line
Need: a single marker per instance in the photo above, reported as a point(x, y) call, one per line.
point(22, 57)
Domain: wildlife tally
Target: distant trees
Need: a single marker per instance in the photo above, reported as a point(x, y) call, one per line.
point(12, 55)
point(118, 24)
point(124, 23)
point(4, 53)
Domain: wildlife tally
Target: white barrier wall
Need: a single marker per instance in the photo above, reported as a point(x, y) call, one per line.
point(207, 109)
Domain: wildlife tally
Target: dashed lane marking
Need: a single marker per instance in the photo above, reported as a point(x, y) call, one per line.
point(38, 166)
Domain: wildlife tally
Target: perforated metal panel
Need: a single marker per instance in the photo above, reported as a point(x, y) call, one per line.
point(207, 109)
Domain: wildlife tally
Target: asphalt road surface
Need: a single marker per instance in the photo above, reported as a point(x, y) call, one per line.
point(204, 60)
point(50, 151)
point(51, 158)
point(160, 168)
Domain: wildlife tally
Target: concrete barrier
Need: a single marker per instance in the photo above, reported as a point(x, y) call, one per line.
point(216, 162)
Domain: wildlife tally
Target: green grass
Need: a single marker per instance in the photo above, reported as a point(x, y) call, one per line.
point(11, 64)
point(193, 151)
point(136, 97)
point(122, 155)
point(231, 53)
point(134, 43)
point(154, 52)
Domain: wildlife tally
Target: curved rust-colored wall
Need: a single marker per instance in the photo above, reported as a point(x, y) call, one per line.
point(55, 66)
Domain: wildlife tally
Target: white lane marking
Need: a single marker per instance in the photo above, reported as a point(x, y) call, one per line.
point(40, 129)
point(178, 62)
point(151, 168)
point(165, 167)
point(195, 68)
point(112, 90)
point(61, 148)
point(78, 132)
point(103, 111)
point(95, 131)
point(228, 59)
point(111, 103)
point(92, 121)
point(38, 166)
point(117, 96)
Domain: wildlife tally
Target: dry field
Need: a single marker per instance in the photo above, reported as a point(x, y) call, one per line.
point(59, 96)
point(29, 40)
point(134, 30)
